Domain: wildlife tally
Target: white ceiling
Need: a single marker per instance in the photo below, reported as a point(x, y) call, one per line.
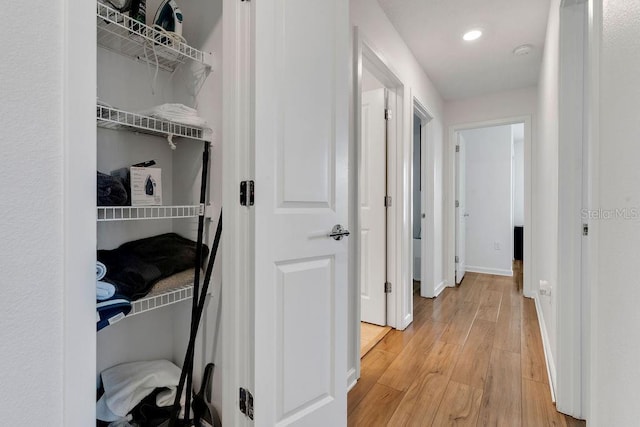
point(433, 30)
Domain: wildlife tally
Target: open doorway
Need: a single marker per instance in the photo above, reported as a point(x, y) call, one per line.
point(372, 208)
point(382, 283)
point(417, 215)
point(490, 200)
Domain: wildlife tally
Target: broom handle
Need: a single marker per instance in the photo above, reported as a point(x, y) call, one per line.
point(196, 280)
point(188, 364)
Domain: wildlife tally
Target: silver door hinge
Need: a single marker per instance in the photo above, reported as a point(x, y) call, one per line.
point(457, 203)
point(247, 193)
point(457, 148)
point(246, 402)
point(585, 229)
point(457, 259)
point(387, 287)
point(387, 114)
point(387, 201)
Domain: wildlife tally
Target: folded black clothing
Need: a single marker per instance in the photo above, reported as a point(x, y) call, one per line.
point(136, 266)
point(111, 191)
point(148, 414)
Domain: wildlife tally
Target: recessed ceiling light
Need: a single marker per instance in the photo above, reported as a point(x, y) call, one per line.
point(472, 35)
point(525, 49)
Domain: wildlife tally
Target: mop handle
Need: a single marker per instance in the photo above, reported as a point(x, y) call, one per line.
point(198, 315)
point(196, 280)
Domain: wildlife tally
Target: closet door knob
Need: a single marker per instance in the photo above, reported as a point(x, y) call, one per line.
point(337, 232)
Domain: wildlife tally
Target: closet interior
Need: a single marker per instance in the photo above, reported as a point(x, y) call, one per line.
point(174, 57)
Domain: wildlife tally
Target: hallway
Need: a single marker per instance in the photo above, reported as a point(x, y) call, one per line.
point(473, 356)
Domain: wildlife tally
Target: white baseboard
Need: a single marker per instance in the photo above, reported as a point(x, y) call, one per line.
point(483, 270)
point(351, 379)
point(439, 288)
point(546, 344)
point(407, 321)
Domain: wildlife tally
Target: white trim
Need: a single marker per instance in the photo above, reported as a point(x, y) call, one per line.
point(427, 163)
point(449, 195)
point(572, 127)
point(400, 264)
point(364, 51)
point(548, 356)
point(79, 213)
point(237, 238)
point(352, 379)
point(407, 320)
point(484, 270)
point(590, 312)
point(440, 287)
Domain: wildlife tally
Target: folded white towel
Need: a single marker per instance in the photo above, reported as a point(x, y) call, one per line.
point(178, 113)
point(104, 290)
point(126, 385)
point(101, 270)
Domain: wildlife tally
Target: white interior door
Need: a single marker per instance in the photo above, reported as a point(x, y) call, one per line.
point(373, 225)
point(301, 142)
point(461, 213)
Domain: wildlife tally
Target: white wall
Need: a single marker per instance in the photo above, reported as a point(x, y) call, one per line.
point(545, 184)
point(31, 256)
point(616, 320)
point(513, 103)
point(487, 108)
point(374, 25)
point(369, 81)
point(488, 200)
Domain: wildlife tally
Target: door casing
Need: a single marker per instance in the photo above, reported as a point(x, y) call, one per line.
point(450, 183)
point(427, 220)
point(399, 263)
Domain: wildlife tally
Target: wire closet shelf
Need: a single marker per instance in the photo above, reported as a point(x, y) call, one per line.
point(113, 118)
point(137, 213)
point(125, 35)
point(164, 299)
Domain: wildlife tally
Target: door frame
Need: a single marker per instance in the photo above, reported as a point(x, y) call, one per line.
point(450, 210)
point(79, 342)
point(399, 263)
point(238, 236)
point(427, 282)
point(460, 184)
point(576, 190)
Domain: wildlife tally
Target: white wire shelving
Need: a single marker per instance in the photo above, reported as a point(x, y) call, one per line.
point(122, 34)
point(113, 118)
point(137, 213)
point(164, 299)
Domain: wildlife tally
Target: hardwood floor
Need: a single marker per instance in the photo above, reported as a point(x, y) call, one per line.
point(370, 335)
point(472, 357)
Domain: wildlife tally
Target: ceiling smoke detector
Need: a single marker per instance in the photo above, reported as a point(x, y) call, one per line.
point(523, 50)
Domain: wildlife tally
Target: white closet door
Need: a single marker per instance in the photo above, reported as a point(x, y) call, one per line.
point(461, 210)
point(301, 138)
point(373, 221)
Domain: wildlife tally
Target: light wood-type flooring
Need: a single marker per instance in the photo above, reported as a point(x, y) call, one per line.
point(370, 335)
point(472, 357)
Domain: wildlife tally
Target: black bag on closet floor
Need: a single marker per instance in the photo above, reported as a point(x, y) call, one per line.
point(136, 266)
